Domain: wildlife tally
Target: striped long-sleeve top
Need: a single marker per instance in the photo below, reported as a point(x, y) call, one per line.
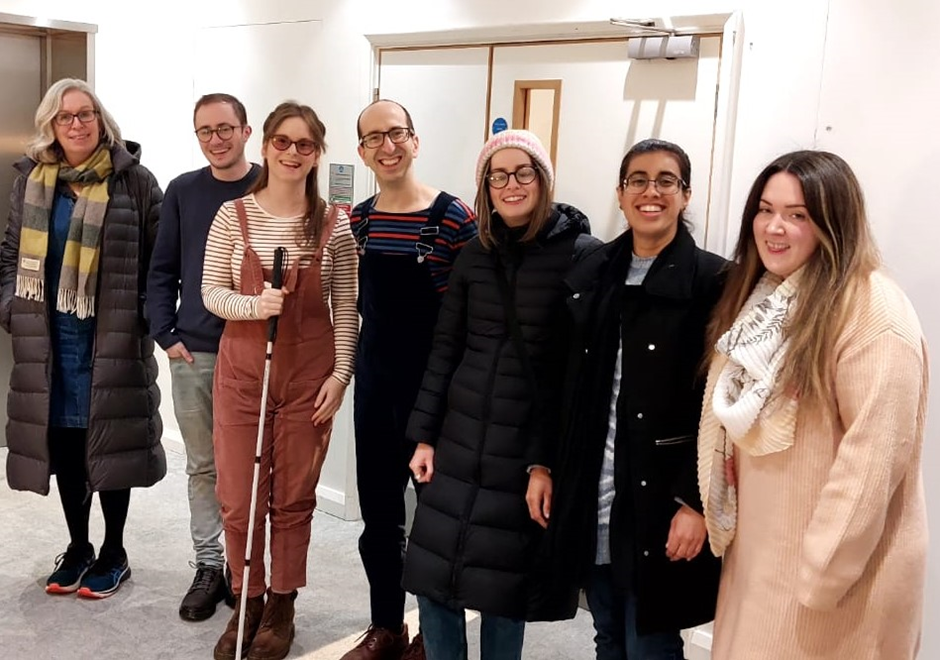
point(221, 280)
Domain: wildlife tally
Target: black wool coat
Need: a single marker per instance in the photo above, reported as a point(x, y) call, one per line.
point(124, 426)
point(472, 540)
point(662, 324)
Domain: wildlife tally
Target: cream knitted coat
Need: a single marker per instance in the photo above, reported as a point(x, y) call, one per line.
point(829, 558)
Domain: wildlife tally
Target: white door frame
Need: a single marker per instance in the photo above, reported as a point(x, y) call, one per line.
point(730, 25)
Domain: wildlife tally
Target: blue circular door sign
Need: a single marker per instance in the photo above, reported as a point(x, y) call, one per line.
point(499, 125)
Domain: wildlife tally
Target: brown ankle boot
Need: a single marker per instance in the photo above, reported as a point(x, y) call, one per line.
point(225, 647)
point(277, 628)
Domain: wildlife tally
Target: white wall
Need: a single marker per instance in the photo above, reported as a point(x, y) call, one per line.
point(880, 94)
point(861, 67)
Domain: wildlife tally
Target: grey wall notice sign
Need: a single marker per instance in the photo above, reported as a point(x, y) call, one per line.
point(342, 176)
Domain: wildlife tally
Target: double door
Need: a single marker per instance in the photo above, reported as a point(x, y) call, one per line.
point(588, 100)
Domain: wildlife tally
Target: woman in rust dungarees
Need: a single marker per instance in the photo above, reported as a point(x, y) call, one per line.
point(311, 365)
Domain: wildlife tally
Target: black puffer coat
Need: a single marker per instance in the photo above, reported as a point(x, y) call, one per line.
point(472, 539)
point(124, 426)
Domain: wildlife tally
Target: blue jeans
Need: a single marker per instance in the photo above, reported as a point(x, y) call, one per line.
point(192, 404)
point(614, 612)
point(445, 634)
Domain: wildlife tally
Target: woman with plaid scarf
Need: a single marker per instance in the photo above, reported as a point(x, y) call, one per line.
point(83, 400)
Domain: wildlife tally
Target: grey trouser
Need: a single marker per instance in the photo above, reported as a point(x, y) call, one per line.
point(192, 403)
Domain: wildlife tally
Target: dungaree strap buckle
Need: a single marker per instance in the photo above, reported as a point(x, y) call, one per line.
point(423, 250)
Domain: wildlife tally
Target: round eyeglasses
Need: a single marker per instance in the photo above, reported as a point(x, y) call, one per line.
point(304, 146)
point(224, 131)
point(524, 175)
point(66, 118)
point(665, 184)
point(397, 135)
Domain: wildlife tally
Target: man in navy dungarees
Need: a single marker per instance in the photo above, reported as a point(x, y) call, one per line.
point(409, 235)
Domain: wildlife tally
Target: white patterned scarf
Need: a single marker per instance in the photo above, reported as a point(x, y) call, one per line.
point(743, 396)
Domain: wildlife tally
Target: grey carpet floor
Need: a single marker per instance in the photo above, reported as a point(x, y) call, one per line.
point(141, 621)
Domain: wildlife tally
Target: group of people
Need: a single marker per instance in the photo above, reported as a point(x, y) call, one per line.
point(683, 438)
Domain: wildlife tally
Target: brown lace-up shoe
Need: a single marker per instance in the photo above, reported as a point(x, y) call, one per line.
point(225, 648)
point(380, 644)
point(277, 628)
point(415, 650)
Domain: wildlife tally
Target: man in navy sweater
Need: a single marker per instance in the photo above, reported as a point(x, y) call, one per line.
point(188, 332)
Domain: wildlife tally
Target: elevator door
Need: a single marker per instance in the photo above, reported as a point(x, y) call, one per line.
point(21, 72)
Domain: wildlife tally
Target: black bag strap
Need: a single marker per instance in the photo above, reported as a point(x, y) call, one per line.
point(507, 294)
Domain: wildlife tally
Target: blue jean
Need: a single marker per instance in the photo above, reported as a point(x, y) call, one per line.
point(445, 633)
point(192, 404)
point(614, 612)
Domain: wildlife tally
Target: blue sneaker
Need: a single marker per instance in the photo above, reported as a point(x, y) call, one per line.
point(70, 567)
point(105, 576)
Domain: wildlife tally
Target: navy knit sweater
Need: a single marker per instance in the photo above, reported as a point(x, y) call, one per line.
point(190, 205)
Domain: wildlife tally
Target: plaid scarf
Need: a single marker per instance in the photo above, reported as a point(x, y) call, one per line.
point(78, 280)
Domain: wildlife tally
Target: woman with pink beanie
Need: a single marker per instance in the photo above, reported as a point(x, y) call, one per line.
point(484, 444)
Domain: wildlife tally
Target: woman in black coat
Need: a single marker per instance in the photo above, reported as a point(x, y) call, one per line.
point(83, 398)
point(478, 417)
point(626, 523)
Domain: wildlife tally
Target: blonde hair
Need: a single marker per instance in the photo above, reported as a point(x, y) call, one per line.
point(830, 280)
point(43, 147)
point(483, 206)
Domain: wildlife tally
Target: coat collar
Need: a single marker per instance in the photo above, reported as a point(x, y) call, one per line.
point(670, 276)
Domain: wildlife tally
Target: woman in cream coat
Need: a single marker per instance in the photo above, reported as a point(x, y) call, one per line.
point(812, 428)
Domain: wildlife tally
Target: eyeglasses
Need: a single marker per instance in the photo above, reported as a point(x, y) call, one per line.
point(304, 147)
point(397, 135)
point(524, 175)
point(665, 184)
point(224, 131)
point(66, 118)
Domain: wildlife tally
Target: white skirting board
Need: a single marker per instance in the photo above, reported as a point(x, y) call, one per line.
point(698, 642)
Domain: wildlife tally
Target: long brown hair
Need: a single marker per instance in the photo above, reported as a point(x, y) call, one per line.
point(316, 205)
point(835, 272)
point(483, 206)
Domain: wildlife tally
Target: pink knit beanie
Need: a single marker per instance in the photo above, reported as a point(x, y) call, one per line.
point(516, 139)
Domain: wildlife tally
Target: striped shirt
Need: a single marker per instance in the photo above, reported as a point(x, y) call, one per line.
point(221, 279)
point(398, 233)
point(639, 267)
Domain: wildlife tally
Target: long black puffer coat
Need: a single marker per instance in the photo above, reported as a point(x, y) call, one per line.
point(472, 539)
point(124, 425)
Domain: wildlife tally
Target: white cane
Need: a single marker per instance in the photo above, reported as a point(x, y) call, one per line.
point(276, 281)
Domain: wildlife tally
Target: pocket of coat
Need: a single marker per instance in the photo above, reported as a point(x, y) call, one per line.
point(675, 440)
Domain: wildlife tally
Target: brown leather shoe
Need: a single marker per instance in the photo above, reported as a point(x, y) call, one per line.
point(380, 644)
point(415, 650)
point(277, 628)
point(225, 647)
